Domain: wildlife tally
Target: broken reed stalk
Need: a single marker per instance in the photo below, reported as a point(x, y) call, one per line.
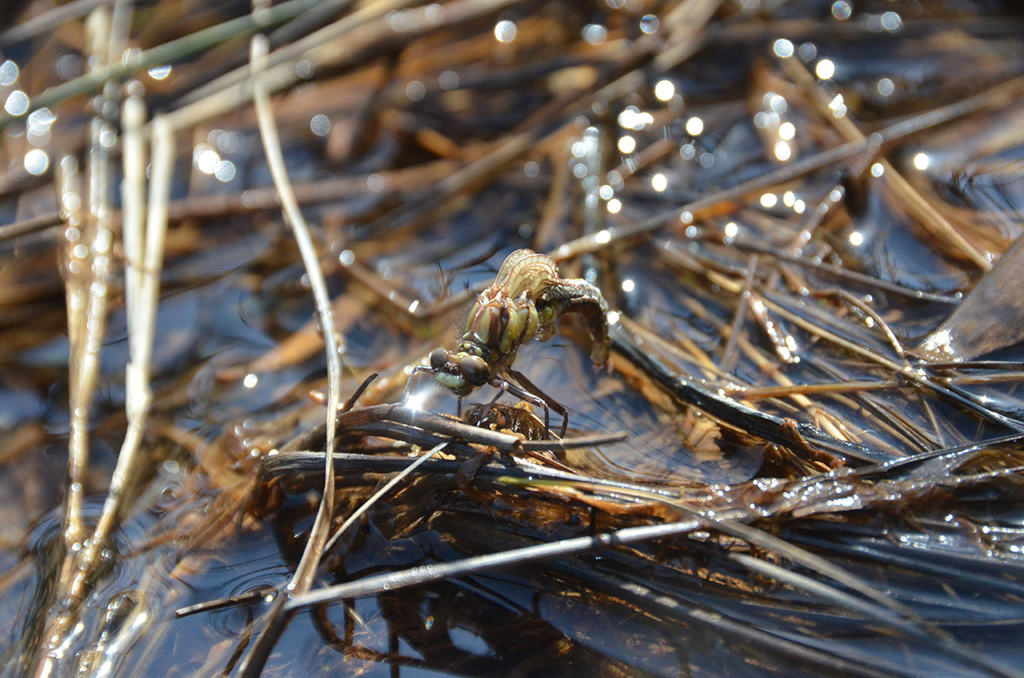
point(302, 578)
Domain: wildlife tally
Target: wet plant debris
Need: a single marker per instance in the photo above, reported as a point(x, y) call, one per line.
point(774, 424)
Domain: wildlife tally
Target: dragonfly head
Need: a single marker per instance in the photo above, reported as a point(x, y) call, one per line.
point(460, 372)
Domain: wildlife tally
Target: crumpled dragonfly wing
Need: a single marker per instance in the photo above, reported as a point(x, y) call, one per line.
point(525, 271)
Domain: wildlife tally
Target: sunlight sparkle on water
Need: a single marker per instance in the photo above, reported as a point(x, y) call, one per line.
point(36, 161)
point(505, 31)
point(448, 80)
point(320, 125)
point(159, 72)
point(891, 21)
point(17, 103)
point(842, 10)
point(783, 48)
point(417, 400)
point(838, 106)
point(415, 90)
point(649, 24)
point(40, 121)
point(825, 69)
point(205, 159)
point(632, 117)
point(776, 102)
point(225, 171)
point(595, 34)
point(8, 73)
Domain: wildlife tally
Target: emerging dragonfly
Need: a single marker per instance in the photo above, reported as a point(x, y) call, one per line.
point(525, 302)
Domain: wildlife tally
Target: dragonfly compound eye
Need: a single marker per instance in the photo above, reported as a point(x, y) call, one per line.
point(438, 358)
point(474, 370)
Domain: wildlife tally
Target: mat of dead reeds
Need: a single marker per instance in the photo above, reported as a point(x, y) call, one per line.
point(218, 222)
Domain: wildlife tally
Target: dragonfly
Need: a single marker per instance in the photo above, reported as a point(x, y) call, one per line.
point(525, 301)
